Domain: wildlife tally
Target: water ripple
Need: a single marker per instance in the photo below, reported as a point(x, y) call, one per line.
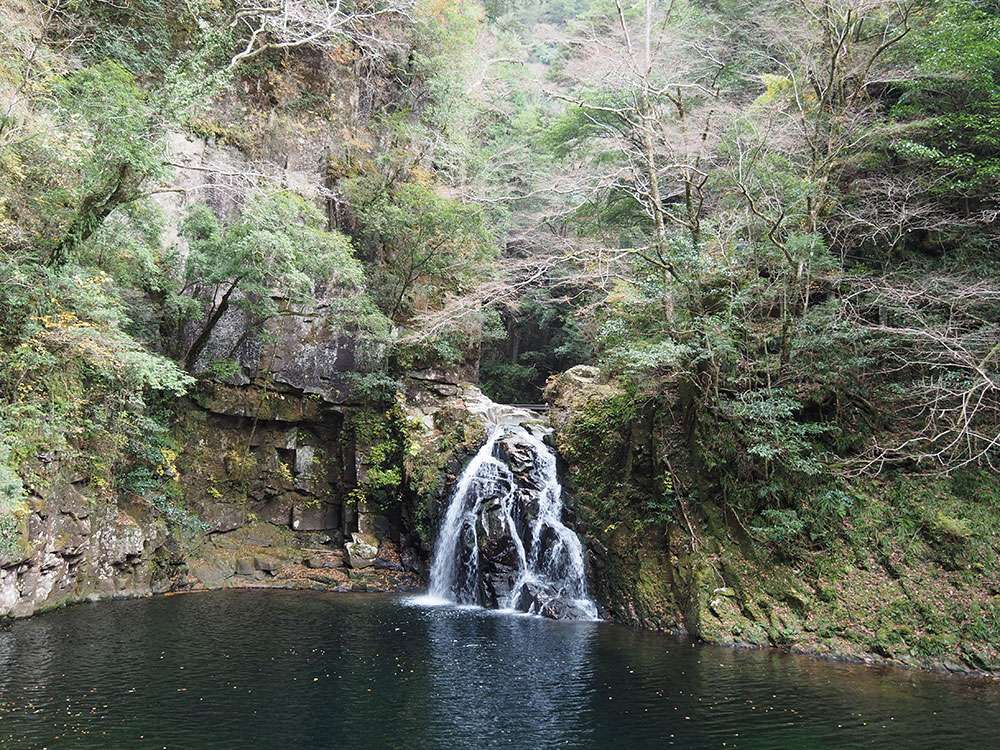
point(298, 670)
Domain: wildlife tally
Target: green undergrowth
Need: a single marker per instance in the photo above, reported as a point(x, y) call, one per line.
point(912, 575)
point(13, 508)
point(916, 573)
point(405, 464)
point(597, 445)
point(431, 458)
point(903, 567)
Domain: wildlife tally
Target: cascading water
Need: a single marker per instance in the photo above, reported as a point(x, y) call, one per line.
point(502, 542)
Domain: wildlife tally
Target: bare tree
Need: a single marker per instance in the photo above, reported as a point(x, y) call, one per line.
point(649, 92)
point(825, 56)
point(821, 58)
point(290, 24)
point(936, 337)
point(14, 97)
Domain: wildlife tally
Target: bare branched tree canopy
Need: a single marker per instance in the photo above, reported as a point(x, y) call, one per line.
point(290, 24)
point(944, 333)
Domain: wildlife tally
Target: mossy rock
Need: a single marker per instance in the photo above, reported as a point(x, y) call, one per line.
point(15, 544)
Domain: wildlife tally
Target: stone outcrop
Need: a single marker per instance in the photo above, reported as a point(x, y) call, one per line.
point(74, 549)
point(361, 551)
point(260, 497)
point(498, 542)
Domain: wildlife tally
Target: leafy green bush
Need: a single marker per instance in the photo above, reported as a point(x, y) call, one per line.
point(418, 245)
point(507, 382)
point(779, 526)
point(596, 443)
point(380, 438)
point(71, 379)
point(276, 252)
point(122, 149)
point(12, 506)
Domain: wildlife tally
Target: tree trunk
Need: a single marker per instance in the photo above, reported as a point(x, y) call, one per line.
point(199, 344)
point(93, 210)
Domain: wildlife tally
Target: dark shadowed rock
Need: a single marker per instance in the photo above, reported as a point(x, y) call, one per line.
point(411, 560)
point(549, 602)
point(388, 556)
point(324, 517)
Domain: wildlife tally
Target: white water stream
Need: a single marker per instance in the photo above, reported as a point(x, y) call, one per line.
point(550, 563)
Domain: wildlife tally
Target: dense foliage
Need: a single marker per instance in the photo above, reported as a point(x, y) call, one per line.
point(782, 219)
point(772, 225)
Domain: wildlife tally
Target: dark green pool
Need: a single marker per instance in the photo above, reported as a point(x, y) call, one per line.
point(299, 670)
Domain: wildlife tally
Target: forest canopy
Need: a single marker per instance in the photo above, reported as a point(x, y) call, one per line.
point(775, 221)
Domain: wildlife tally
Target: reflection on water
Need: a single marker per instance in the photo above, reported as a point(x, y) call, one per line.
point(295, 670)
point(539, 688)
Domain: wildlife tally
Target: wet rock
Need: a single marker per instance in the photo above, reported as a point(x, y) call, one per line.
point(411, 560)
point(496, 584)
point(212, 573)
point(503, 539)
point(549, 602)
point(564, 609)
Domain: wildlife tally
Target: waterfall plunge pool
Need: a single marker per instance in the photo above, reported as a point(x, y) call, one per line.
point(285, 670)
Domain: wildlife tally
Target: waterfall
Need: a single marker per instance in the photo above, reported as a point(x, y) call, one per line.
point(502, 542)
point(452, 578)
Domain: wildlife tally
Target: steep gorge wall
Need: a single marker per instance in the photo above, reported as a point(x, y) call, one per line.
point(909, 579)
point(280, 470)
point(265, 489)
point(255, 498)
point(266, 483)
point(261, 482)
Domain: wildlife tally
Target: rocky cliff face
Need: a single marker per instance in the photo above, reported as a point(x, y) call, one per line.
point(263, 488)
point(72, 549)
point(272, 478)
point(263, 491)
point(267, 488)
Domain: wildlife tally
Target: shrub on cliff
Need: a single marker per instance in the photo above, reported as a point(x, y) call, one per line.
point(12, 506)
point(276, 254)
